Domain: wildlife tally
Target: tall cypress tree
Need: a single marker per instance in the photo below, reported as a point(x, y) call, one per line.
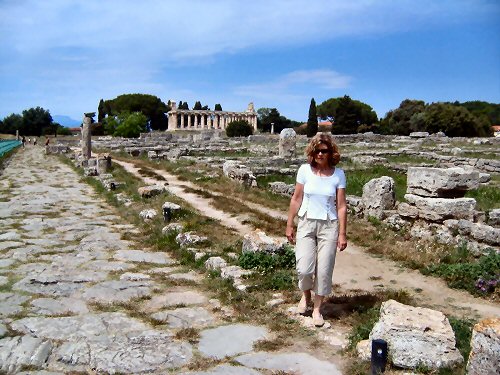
point(312, 121)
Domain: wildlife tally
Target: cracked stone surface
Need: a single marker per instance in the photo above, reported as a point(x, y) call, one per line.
point(300, 363)
point(185, 317)
point(214, 342)
point(76, 297)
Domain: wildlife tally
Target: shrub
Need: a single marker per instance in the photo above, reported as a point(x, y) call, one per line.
point(266, 263)
point(478, 277)
point(239, 129)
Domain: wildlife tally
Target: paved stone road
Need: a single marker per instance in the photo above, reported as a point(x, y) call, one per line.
point(62, 260)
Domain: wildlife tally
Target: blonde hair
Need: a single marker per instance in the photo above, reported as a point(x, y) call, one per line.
point(327, 140)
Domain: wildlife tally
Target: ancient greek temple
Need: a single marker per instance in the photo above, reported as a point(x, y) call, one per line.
point(184, 119)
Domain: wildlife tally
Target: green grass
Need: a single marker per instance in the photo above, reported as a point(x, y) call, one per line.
point(409, 159)
point(356, 179)
point(487, 197)
point(479, 277)
point(272, 271)
point(264, 180)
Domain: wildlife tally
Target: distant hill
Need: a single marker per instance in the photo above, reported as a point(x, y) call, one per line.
point(66, 121)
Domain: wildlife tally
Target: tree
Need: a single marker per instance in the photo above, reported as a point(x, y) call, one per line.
point(12, 123)
point(151, 106)
point(312, 120)
point(218, 107)
point(268, 116)
point(351, 115)
point(131, 126)
point(478, 108)
point(455, 121)
point(328, 109)
point(239, 128)
point(197, 106)
point(101, 111)
point(405, 119)
point(35, 120)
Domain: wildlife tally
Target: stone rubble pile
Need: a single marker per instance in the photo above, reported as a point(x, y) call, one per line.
point(419, 337)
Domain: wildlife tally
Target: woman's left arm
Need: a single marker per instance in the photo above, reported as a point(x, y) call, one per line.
point(342, 215)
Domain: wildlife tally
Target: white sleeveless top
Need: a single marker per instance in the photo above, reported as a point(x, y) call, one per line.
point(320, 192)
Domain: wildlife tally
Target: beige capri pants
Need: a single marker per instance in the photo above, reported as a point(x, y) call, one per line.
point(315, 252)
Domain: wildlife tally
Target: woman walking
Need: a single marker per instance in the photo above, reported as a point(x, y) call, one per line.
point(319, 201)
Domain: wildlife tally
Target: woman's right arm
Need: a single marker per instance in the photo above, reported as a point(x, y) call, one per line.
point(295, 203)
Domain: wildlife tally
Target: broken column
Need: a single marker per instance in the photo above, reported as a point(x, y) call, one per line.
point(86, 135)
point(288, 142)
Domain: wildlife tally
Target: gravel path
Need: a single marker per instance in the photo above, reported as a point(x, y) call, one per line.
point(355, 269)
point(76, 297)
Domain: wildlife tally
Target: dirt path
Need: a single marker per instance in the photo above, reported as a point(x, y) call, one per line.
point(355, 269)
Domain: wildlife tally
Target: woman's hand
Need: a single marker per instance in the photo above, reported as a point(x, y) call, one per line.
point(290, 234)
point(342, 242)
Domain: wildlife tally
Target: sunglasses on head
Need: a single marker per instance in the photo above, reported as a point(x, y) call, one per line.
point(323, 151)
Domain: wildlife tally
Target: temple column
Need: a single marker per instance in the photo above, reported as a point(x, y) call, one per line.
point(182, 120)
point(172, 121)
point(203, 121)
point(189, 121)
point(216, 121)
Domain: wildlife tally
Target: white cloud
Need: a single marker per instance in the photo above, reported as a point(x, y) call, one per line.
point(85, 46)
point(294, 82)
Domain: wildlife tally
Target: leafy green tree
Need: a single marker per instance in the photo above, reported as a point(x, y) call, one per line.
point(197, 106)
point(268, 116)
point(312, 120)
point(352, 115)
point(347, 115)
point(35, 120)
point(479, 108)
point(151, 106)
point(455, 121)
point(132, 125)
point(328, 109)
point(101, 111)
point(62, 130)
point(405, 119)
point(239, 128)
point(218, 107)
point(11, 123)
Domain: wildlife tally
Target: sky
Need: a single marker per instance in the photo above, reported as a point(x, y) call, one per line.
point(66, 55)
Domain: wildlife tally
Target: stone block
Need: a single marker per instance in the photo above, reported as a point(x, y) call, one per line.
point(239, 173)
point(151, 190)
point(440, 209)
point(282, 188)
point(494, 217)
point(416, 336)
point(378, 196)
point(485, 233)
point(258, 241)
point(484, 358)
point(419, 134)
point(441, 182)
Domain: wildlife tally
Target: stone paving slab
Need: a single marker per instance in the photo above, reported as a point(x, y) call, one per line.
point(230, 340)
point(295, 363)
point(175, 298)
point(143, 257)
point(51, 306)
point(185, 317)
point(117, 291)
point(19, 351)
point(225, 370)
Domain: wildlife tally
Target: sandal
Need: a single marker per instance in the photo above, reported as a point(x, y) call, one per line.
point(302, 308)
point(318, 321)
